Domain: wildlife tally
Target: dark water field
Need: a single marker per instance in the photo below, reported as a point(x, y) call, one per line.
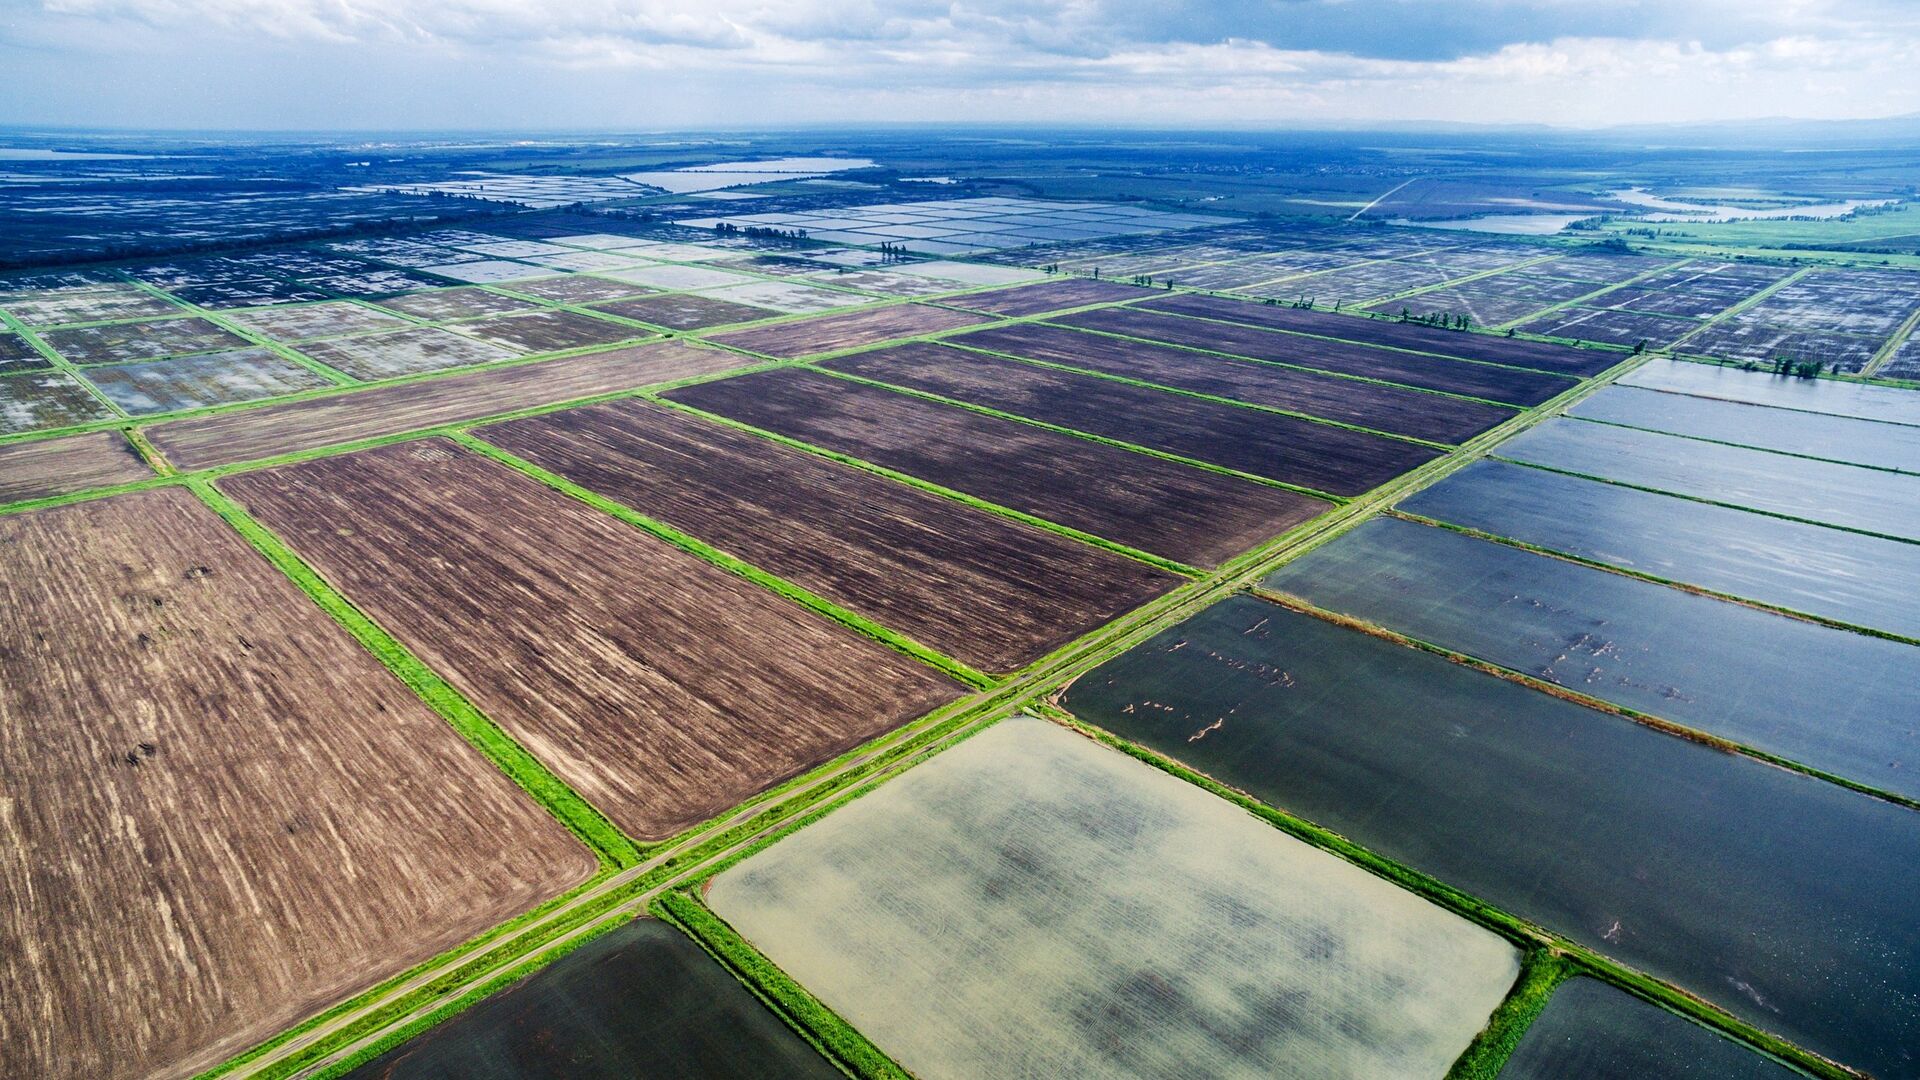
point(1844, 495)
point(1836, 438)
point(1833, 699)
point(643, 1000)
point(1782, 898)
point(1858, 579)
point(1592, 1031)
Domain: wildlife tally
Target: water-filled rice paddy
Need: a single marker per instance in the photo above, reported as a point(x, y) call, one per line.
point(186, 382)
point(1030, 903)
point(1837, 438)
point(1780, 897)
point(1847, 496)
point(1813, 395)
point(639, 1001)
point(1727, 669)
point(1807, 568)
point(1591, 1031)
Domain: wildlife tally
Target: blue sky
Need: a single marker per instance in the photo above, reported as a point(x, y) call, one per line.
point(641, 65)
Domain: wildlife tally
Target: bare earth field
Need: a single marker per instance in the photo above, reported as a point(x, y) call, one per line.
point(1155, 505)
point(1540, 355)
point(831, 332)
point(1049, 296)
point(686, 311)
point(219, 812)
point(1289, 449)
point(663, 688)
point(279, 429)
point(1382, 408)
point(37, 470)
point(459, 303)
point(1513, 386)
point(991, 592)
point(1031, 903)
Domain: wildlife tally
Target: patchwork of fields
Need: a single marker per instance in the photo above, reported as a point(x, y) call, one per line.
point(596, 647)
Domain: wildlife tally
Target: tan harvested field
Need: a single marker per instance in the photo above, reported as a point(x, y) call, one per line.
point(217, 812)
point(663, 688)
point(280, 429)
point(991, 592)
point(831, 332)
point(38, 470)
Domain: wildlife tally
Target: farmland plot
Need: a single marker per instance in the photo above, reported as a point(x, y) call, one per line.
point(1542, 356)
point(831, 332)
point(1154, 505)
point(279, 429)
point(1782, 898)
point(222, 814)
point(1811, 435)
point(90, 303)
point(661, 687)
point(1862, 580)
point(988, 591)
point(37, 400)
point(1809, 395)
point(685, 311)
point(37, 470)
point(190, 382)
point(1826, 492)
point(440, 305)
point(1392, 409)
point(1836, 438)
point(1590, 1029)
point(1049, 296)
point(576, 289)
point(405, 352)
point(792, 297)
point(306, 322)
point(17, 355)
point(639, 1001)
point(140, 341)
point(550, 331)
point(1323, 457)
point(1511, 386)
point(1706, 663)
point(1197, 940)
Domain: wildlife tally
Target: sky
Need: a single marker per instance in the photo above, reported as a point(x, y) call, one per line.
point(645, 65)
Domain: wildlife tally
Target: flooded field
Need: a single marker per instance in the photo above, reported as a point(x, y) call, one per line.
point(1847, 496)
point(640, 1001)
point(1835, 438)
point(1812, 395)
point(1782, 898)
point(190, 382)
point(1591, 1030)
point(1706, 663)
point(1031, 903)
point(1862, 580)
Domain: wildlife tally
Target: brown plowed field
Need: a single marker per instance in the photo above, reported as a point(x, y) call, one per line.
point(37, 470)
point(1541, 355)
point(1382, 408)
point(218, 813)
point(302, 425)
point(661, 687)
point(988, 591)
point(1049, 296)
point(1173, 510)
point(1514, 386)
point(1324, 457)
point(831, 332)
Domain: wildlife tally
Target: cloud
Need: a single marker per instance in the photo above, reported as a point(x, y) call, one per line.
point(1562, 61)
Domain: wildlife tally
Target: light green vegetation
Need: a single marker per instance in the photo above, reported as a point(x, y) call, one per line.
point(933, 914)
